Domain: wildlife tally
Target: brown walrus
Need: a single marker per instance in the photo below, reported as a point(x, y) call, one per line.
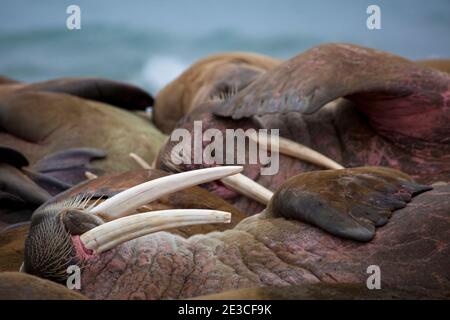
point(282, 246)
point(12, 238)
point(39, 124)
point(394, 113)
point(215, 76)
point(102, 90)
point(439, 64)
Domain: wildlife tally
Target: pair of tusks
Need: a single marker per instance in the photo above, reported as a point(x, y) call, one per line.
point(124, 228)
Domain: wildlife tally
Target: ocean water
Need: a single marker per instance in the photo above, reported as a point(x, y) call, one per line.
point(149, 43)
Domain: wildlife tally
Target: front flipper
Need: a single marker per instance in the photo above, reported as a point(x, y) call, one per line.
point(19, 195)
point(111, 92)
point(400, 98)
point(12, 157)
point(348, 203)
point(67, 166)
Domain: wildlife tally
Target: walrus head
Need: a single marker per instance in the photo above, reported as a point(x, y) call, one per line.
point(66, 232)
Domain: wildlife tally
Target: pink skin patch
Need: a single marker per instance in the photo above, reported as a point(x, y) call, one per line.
point(220, 190)
point(82, 252)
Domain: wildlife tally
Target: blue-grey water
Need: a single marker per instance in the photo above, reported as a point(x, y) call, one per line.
point(151, 42)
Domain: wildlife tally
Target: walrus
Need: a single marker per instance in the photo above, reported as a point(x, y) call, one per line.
point(218, 76)
point(383, 218)
point(355, 105)
point(215, 76)
point(74, 130)
point(12, 237)
point(107, 186)
point(439, 64)
point(111, 92)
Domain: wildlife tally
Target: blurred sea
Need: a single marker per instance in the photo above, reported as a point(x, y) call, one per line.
point(150, 42)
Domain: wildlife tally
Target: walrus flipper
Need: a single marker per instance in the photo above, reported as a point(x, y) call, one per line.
point(66, 167)
point(12, 157)
point(115, 93)
point(394, 93)
point(348, 203)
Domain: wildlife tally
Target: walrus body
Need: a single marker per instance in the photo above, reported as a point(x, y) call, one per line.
point(280, 247)
point(394, 113)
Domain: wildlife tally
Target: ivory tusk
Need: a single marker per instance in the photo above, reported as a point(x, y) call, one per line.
point(141, 162)
point(113, 233)
point(133, 198)
point(249, 188)
point(89, 175)
point(299, 151)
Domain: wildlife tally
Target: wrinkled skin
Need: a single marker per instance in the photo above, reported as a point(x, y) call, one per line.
point(20, 286)
point(214, 76)
point(276, 252)
point(412, 250)
point(395, 114)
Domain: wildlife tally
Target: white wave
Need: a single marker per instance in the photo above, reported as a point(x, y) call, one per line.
point(158, 71)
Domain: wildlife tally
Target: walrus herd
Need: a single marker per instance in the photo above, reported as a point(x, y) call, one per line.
point(89, 182)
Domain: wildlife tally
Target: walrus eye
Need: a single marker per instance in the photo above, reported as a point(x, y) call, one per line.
point(78, 222)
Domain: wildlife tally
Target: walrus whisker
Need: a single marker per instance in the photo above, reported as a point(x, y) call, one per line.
point(113, 233)
point(301, 152)
point(129, 200)
point(95, 203)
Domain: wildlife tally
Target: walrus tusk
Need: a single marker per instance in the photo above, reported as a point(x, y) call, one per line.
point(90, 176)
point(113, 233)
point(301, 152)
point(133, 198)
point(248, 188)
point(141, 162)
